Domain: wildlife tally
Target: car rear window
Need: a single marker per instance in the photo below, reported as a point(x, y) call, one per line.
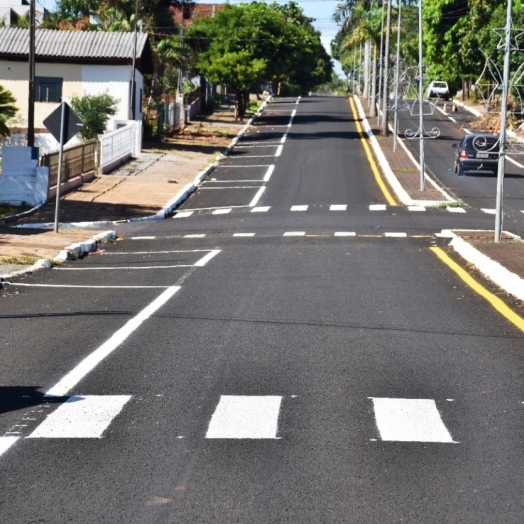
point(481, 143)
point(440, 84)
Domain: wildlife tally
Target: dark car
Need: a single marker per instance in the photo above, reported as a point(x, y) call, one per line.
point(477, 153)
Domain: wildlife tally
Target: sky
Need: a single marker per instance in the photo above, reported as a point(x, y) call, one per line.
point(321, 10)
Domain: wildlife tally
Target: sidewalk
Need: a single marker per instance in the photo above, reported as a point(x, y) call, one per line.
point(137, 191)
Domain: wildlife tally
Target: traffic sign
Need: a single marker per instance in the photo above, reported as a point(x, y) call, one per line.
point(72, 123)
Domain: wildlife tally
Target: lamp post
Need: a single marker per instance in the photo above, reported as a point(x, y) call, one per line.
point(385, 130)
point(397, 74)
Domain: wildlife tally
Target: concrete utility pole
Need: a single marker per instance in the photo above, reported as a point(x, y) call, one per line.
point(503, 117)
point(31, 97)
point(373, 106)
point(397, 79)
point(133, 77)
point(421, 99)
point(385, 92)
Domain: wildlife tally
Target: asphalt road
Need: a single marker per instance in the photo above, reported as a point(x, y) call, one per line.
point(251, 361)
point(476, 189)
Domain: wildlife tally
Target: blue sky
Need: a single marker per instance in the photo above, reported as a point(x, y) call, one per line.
point(321, 10)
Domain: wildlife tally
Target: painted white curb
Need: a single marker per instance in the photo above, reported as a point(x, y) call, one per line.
point(390, 175)
point(497, 273)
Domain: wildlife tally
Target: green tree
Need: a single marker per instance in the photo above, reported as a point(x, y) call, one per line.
point(7, 110)
point(95, 111)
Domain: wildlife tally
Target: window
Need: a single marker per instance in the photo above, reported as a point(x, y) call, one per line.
point(48, 89)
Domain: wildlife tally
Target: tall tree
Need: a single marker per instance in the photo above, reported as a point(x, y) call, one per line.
point(7, 110)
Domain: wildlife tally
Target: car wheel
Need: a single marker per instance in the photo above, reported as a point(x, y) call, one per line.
point(460, 170)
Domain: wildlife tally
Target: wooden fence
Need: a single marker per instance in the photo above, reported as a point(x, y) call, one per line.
point(76, 161)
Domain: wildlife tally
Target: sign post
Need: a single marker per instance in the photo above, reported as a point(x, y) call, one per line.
point(63, 123)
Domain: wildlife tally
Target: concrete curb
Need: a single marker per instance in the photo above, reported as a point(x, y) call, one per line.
point(71, 252)
point(494, 271)
point(390, 175)
point(467, 108)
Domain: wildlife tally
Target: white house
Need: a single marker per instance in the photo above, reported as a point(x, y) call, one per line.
point(12, 10)
point(70, 63)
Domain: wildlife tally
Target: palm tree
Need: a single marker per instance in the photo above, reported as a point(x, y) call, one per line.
point(7, 110)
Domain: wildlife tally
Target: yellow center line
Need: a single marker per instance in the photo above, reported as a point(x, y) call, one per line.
point(378, 177)
point(495, 301)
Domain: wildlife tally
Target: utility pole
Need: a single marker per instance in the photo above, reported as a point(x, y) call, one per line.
point(397, 74)
point(381, 61)
point(503, 117)
point(31, 97)
point(385, 129)
point(421, 99)
point(133, 78)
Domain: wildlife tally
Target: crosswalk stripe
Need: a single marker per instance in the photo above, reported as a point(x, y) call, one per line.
point(337, 207)
point(81, 417)
point(409, 420)
point(6, 443)
point(377, 207)
point(222, 211)
point(183, 214)
point(345, 234)
point(299, 208)
point(250, 417)
point(261, 209)
point(456, 209)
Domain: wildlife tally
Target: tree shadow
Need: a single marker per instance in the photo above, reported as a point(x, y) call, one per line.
point(16, 398)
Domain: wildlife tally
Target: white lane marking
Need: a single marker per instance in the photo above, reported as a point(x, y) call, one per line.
point(377, 207)
point(231, 166)
point(255, 200)
point(345, 234)
point(452, 119)
point(293, 113)
point(338, 207)
point(232, 182)
point(284, 138)
point(489, 211)
point(518, 164)
point(81, 417)
point(205, 259)
point(71, 379)
point(6, 443)
point(269, 172)
point(260, 209)
point(271, 125)
point(279, 150)
point(163, 252)
point(396, 235)
point(295, 234)
point(409, 420)
point(195, 235)
point(72, 286)
point(222, 211)
point(456, 209)
point(253, 156)
point(183, 214)
point(229, 187)
point(249, 145)
point(299, 208)
point(416, 208)
point(117, 268)
point(251, 417)
point(243, 234)
point(143, 238)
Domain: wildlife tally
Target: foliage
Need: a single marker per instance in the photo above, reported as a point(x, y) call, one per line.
point(247, 44)
point(95, 111)
point(7, 110)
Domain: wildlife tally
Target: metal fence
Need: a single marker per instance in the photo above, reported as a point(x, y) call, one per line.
point(76, 161)
point(118, 145)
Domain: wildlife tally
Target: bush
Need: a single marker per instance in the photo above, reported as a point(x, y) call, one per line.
point(94, 110)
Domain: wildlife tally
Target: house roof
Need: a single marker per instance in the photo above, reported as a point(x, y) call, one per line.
point(77, 46)
point(185, 13)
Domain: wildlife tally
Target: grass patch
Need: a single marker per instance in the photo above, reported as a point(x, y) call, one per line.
point(23, 260)
point(7, 210)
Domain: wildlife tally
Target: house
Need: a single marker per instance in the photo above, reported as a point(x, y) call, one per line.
point(70, 63)
point(11, 11)
point(185, 13)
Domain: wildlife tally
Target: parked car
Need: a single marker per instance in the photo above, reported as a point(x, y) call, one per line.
point(438, 88)
point(477, 152)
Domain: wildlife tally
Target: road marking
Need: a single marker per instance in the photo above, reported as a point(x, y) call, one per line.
point(269, 172)
point(495, 301)
point(142, 238)
point(416, 208)
point(261, 209)
point(250, 417)
point(396, 235)
point(377, 207)
point(249, 145)
point(299, 208)
point(118, 268)
point(456, 209)
point(183, 214)
point(284, 138)
point(231, 166)
point(75, 286)
point(6, 443)
point(338, 207)
point(163, 252)
point(378, 177)
point(514, 161)
point(228, 187)
point(279, 151)
point(255, 200)
point(345, 234)
point(221, 211)
point(294, 234)
point(243, 234)
point(205, 259)
point(409, 420)
point(195, 235)
point(489, 211)
point(81, 417)
point(71, 379)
